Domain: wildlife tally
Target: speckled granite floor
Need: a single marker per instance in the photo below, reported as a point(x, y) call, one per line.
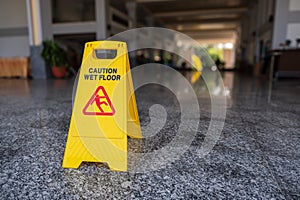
point(256, 157)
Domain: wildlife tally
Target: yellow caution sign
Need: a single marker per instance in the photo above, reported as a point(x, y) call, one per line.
point(102, 117)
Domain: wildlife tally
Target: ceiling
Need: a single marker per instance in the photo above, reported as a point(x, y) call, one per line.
point(211, 20)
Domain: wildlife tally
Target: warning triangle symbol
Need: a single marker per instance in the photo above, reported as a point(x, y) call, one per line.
point(99, 104)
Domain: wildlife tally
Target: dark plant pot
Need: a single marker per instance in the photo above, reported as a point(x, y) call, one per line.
point(58, 71)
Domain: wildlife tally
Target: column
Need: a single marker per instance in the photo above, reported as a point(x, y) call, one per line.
point(131, 10)
point(39, 28)
point(150, 23)
point(102, 16)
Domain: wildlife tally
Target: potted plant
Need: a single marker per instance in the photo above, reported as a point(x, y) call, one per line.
point(55, 57)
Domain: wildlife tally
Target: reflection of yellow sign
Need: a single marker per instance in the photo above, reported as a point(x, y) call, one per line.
point(101, 101)
point(197, 64)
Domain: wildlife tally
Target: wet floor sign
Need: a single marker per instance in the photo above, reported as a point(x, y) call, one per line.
point(104, 111)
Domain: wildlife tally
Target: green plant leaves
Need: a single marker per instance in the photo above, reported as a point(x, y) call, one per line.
point(53, 54)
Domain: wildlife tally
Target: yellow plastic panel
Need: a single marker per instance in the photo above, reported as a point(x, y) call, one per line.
point(101, 99)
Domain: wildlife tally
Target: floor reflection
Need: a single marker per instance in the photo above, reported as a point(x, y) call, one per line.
point(15, 87)
point(220, 85)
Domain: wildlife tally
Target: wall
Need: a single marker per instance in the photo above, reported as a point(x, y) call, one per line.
point(287, 22)
point(13, 29)
point(256, 27)
point(293, 27)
